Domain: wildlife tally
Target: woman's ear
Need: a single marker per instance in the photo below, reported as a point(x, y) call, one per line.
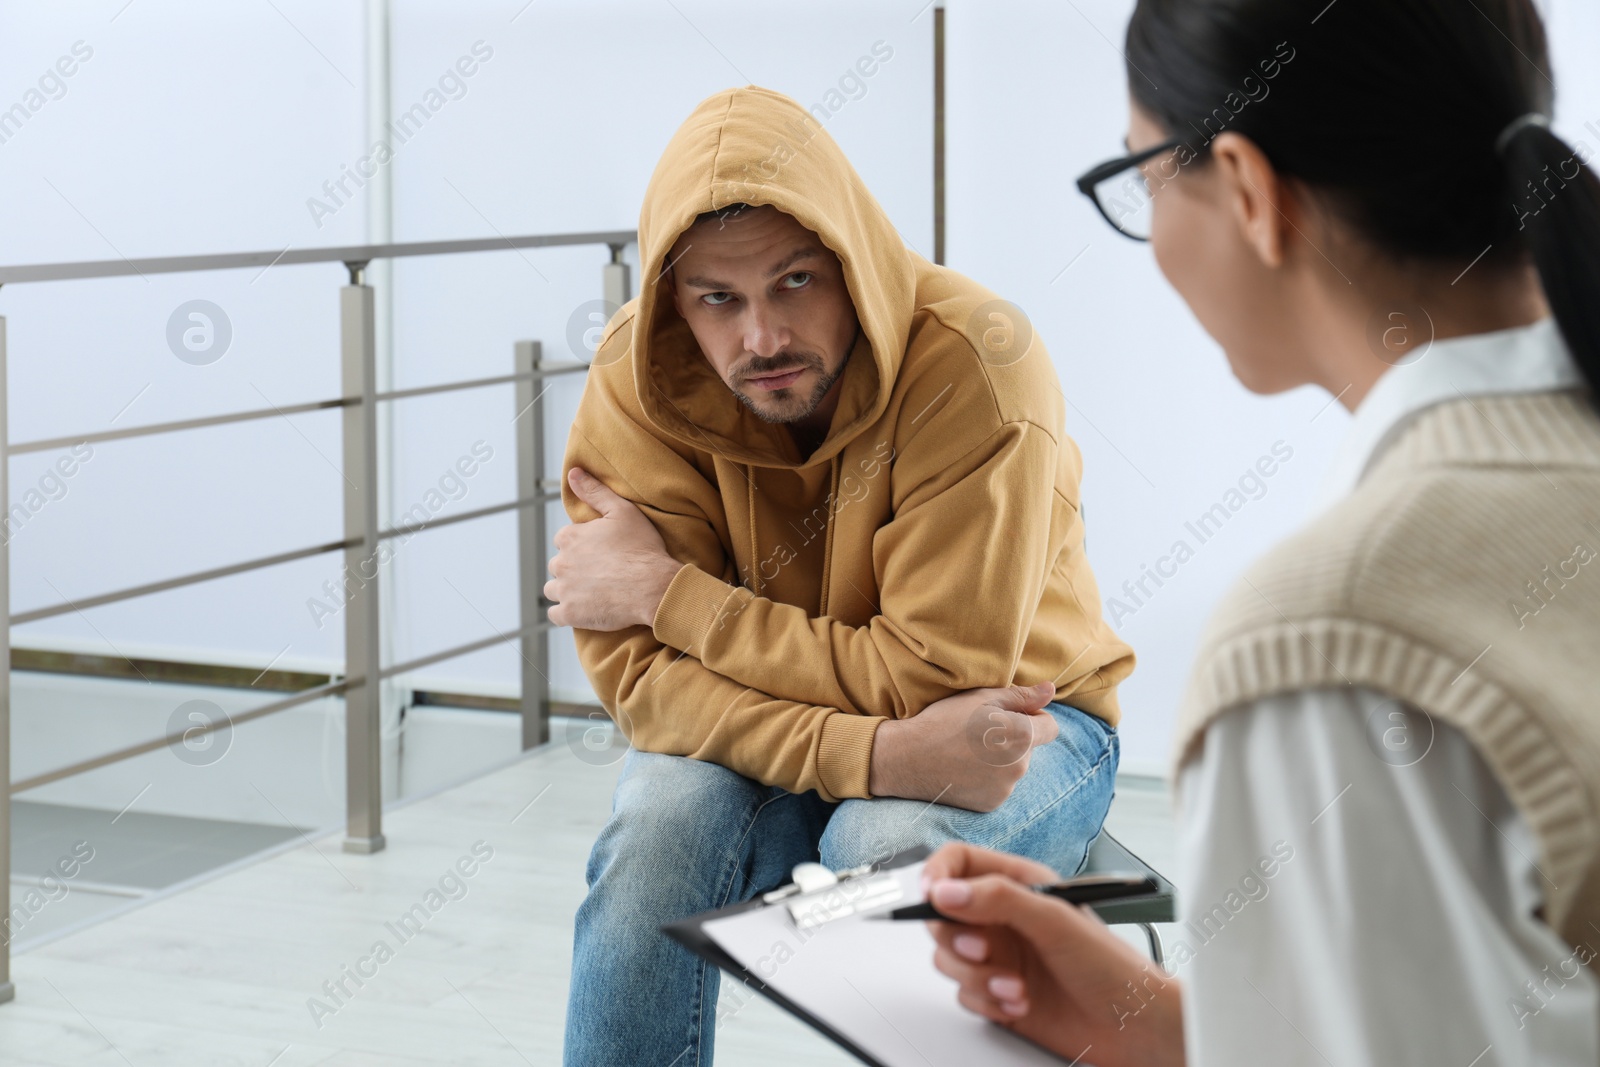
point(1259, 197)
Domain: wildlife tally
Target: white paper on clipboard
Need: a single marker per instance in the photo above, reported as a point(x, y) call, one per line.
point(873, 982)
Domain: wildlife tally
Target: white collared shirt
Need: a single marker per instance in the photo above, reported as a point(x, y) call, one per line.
point(1403, 927)
point(1528, 359)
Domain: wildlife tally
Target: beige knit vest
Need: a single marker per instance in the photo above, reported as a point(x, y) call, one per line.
point(1462, 576)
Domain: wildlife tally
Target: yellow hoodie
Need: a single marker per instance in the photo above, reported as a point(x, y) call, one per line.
point(931, 544)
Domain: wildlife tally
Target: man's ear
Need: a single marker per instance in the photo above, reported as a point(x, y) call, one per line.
point(1259, 197)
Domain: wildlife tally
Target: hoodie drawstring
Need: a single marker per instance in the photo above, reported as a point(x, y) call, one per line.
point(827, 541)
point(750, 481)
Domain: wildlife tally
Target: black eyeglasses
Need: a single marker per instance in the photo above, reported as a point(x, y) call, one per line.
point(1122, 193)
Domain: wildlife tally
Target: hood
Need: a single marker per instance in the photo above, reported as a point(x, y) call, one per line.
point(755, 146)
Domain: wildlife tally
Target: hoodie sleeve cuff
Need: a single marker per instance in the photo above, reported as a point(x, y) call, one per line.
point(844, 755)
point(690, 607)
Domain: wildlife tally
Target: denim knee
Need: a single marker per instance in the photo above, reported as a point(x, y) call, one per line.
point(670, 821)
point(876, 831)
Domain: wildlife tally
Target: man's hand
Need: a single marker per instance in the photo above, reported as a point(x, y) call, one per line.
point(968, 750)
point(1052, 972)
point(609, 573)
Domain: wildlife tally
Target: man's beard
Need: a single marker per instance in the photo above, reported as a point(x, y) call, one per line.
point(791, 361)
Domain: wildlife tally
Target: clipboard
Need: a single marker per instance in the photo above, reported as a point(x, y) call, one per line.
point(849, 953)
point(690, 933)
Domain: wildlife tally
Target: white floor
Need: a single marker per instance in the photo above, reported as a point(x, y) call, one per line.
point(224, 972)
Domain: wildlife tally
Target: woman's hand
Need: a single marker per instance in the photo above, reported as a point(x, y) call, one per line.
point(1053, 972)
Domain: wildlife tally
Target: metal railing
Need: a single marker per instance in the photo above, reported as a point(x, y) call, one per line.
point(357, 402)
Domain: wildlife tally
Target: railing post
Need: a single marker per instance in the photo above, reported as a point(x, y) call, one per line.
point(7, 990)
point(363, 700)
point(614, 279)
point(531, 548)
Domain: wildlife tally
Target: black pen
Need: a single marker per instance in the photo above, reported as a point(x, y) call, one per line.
point(1091, 889)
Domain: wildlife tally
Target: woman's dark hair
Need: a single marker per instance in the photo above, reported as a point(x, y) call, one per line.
point(1423, 123)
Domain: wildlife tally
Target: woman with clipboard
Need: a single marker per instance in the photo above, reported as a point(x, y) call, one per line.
point(1388, 772)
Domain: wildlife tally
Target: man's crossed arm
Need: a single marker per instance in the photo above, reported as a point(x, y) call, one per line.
point(967, 750)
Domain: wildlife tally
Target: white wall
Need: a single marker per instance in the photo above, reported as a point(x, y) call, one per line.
point(1037, 95)
point(178, 135)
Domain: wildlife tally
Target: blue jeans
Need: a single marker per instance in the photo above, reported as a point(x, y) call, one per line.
point(686, 836)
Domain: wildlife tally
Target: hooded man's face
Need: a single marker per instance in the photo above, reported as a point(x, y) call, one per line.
point(767, 302)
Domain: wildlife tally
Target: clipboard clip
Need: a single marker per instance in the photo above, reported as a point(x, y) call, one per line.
point(818, 895)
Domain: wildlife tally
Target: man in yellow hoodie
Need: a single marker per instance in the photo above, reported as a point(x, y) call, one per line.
point(826, 567)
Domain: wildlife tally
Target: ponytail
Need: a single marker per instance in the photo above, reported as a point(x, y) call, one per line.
point(1558, 215)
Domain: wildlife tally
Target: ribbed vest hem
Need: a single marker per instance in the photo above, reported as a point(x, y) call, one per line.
point(1285, 657)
